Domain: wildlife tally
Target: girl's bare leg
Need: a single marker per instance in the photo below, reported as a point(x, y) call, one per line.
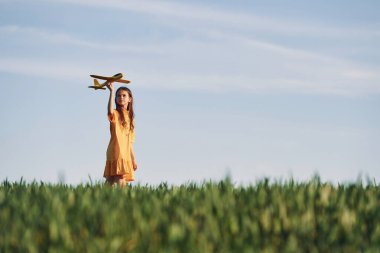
point(117, 180)
point(121, 181)
point(110, 180)
point(113, 180)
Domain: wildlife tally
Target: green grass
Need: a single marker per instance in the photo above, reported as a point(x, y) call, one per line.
point(267, 216)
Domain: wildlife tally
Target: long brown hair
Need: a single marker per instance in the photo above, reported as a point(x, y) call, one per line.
point(130, 111)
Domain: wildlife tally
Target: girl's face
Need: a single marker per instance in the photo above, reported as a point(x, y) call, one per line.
point(123, 98)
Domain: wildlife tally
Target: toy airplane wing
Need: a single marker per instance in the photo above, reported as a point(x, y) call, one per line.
point(115, 78)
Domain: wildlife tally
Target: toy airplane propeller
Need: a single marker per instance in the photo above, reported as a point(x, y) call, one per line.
point(101, 86)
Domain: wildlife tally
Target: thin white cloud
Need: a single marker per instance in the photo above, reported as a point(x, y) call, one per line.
point(287, 70)
point(207, 16)
point(67, 39)
point(260, 66)
point(43, 68)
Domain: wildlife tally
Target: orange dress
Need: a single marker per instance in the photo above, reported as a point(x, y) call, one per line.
point(119, 161)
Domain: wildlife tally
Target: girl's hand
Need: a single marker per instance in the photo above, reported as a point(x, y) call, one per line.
point(134, 164)
point(110, 86)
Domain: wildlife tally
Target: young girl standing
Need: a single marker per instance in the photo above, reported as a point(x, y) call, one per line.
point(121, 163)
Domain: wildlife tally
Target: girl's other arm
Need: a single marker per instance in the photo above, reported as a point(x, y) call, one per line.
point(134, 164)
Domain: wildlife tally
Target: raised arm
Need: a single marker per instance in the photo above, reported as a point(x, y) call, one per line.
point(111, 98)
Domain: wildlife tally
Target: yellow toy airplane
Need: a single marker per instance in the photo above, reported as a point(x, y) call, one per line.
point(101, 86)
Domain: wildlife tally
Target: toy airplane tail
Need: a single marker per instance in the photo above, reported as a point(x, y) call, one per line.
point(100, 85)
point(96, 83)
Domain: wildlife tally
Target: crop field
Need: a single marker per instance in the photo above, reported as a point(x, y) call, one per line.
point(266, 216)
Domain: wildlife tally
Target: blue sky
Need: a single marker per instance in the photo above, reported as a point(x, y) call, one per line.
point(250, 88)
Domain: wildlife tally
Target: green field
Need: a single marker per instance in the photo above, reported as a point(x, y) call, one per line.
point(287, 216)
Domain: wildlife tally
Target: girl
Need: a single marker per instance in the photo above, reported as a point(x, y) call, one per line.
point(121, 163)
